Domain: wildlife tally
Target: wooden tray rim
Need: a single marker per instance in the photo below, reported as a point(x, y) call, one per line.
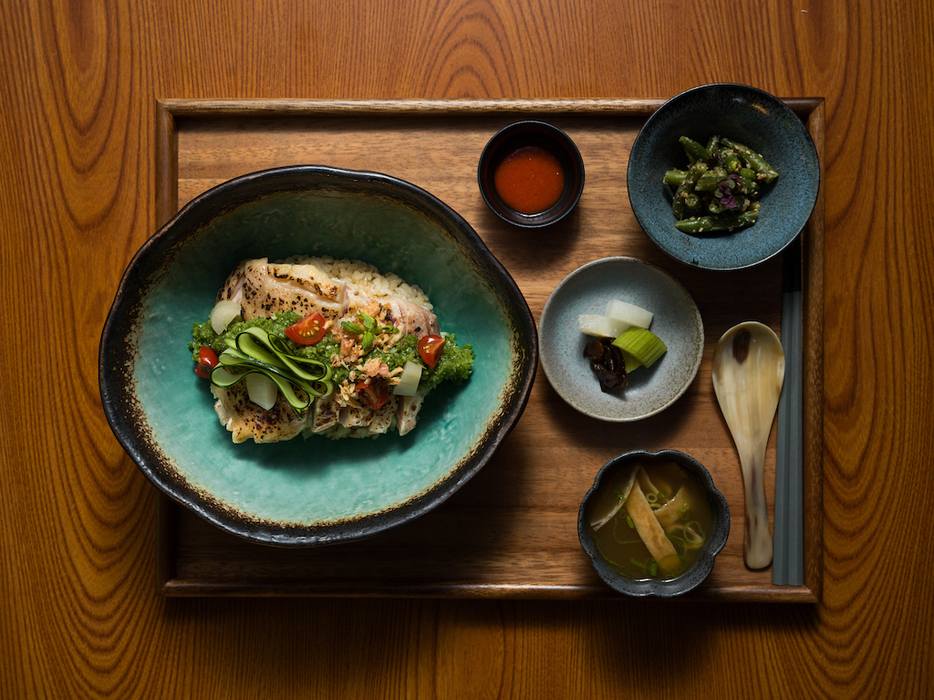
point(812, 112)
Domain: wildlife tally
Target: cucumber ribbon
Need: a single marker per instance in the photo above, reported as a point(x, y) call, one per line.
point(254, 350)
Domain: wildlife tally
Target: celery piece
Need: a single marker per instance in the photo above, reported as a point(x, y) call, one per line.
point(631, 362)
point(642, 344)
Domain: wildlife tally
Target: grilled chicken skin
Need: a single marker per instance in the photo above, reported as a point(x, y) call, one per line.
point(247, 421)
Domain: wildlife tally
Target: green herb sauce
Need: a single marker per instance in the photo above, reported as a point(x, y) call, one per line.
point(455, 364)
point(203, 333)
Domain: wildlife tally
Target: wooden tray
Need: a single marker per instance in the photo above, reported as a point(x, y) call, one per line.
point(511, 532)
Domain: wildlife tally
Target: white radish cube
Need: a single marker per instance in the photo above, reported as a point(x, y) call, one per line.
point(630, 314)
point(601, 326)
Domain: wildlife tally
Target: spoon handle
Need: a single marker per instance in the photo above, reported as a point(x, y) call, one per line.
point(757, 541)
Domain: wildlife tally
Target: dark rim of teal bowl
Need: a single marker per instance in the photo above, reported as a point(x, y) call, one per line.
point(117, 353)
point(761, 95)
point(529, 133)
point(652, 587)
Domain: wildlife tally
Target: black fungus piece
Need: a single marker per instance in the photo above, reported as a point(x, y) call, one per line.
point(606, 361)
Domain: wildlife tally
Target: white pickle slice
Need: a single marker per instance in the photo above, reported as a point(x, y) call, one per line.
point(629, 313)
point(601, 326)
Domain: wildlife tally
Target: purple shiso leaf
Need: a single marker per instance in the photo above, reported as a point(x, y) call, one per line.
point(725, 191)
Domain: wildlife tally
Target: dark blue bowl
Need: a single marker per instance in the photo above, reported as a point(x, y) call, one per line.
point(750, 116)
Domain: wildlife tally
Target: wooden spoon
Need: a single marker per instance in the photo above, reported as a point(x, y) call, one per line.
point(748, 371)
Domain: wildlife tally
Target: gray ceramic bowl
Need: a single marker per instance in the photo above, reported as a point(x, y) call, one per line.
point(691, 578)
point(531, 133)
point(677, 322)
point(315, 491)
point(750, 116)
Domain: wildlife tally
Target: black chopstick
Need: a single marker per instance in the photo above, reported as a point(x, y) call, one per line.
point(788, 556)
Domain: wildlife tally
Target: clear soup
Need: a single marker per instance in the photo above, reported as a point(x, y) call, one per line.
point(651, 520)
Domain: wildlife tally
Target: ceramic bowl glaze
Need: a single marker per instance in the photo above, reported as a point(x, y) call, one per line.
point(677, 321)
point(748, 115)
point(543, 135)
point(314, 491)
point(715, 542)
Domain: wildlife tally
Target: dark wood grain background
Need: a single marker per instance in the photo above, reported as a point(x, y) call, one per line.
point(79, 83)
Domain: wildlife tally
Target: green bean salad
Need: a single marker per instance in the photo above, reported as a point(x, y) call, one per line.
point(720, 189)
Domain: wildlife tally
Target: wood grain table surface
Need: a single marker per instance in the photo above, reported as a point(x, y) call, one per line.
point(80, 615)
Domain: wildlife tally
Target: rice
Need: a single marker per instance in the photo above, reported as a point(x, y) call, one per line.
point(365, 277)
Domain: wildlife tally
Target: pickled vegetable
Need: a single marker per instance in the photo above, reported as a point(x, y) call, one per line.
point(642, 344)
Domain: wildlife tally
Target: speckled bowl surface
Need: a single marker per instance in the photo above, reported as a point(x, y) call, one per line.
point(314, 491)
point(677, 321)
point(748, 115)
point(691, 578)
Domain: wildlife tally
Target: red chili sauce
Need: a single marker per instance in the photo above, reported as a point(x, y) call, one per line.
point(529, 180)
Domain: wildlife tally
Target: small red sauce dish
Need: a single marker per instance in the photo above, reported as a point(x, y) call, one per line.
point(531, 174)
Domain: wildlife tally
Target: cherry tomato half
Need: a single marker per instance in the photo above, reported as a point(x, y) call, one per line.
point(429, 349)
point(373, 393)
point(207, 360)
point(308, 331)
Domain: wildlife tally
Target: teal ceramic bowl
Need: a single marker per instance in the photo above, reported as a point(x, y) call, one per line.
point(746, 114)
point(314, 491)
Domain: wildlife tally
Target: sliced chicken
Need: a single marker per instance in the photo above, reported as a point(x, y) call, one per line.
point(355, 417)
point(263, 288)
point(325, 415)
point(382, 419)
point(409, 318)
point(245, 420)
point(408, 409)
point(233, 286)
